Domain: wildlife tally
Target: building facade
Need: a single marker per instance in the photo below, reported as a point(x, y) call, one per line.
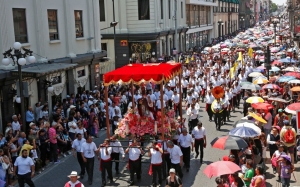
point(65, 39)
point(199, 18)
point(145, 29)
point(226, 17)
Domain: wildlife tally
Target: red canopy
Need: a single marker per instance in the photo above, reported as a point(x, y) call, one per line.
point(138, 73)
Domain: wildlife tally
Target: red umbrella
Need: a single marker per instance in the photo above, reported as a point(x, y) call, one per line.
point(262, 106)
point(276, 62)
point(221, 168)
point(271, 86)
point(292, 108)
point(229, 142)
point(294, 74)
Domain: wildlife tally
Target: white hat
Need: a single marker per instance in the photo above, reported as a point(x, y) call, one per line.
point(54, 123)
point(95, 101)
point(73, 174)
point(172, 170)
point(31, 124)
point(91, 97)
point(72, 106)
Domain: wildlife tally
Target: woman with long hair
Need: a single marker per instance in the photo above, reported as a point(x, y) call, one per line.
point(285, 169)
point(96, 126)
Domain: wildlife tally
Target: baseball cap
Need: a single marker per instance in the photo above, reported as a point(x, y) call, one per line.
point(31, 124)
point(280, 110)
point(72, 106)
point(172, 170)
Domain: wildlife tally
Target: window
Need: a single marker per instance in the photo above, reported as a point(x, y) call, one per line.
point(169, 9)
point(56, 80)
point(20, 25)
point(81, 73)
point(78, 23)
point(181, 9)
point(144, 9)
point(102, 10)
point(104, 46)
point(161, 9)
point(53, 25)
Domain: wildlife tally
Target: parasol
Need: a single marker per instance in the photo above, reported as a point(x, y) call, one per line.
point(257, 117)
point(250, 124)
point(255, 74)
point(295, 81)
point(271, 86)
point(255, 99)
point(251, 87)
point(244, 132)
point(229, 142)
point(285, 78)
point(278, 99)
point(260, 81)
point(293, 74)
point(292, 108)
point(221, 168)
point(295, 89)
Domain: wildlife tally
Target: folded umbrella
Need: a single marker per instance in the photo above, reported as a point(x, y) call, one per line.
point(221, 168)
point(229, 142)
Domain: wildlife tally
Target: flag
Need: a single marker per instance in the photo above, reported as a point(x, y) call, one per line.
point(240, 58)
point(232, 72)
point(250, 52)
point(187, 60)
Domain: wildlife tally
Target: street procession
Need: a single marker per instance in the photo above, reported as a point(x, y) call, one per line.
point(141, 93)
point(153, 115)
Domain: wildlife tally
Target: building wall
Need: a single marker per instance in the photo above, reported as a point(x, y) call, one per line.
point(38, 30)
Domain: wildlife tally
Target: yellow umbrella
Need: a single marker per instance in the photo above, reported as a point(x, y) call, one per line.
point(256, 117)
point(260, 81)
point(255, 99)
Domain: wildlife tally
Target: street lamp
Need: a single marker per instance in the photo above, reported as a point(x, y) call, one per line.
point(242, 22)
point(219, 25)
point(268, 61)
point(18, 58)
point(275, 21)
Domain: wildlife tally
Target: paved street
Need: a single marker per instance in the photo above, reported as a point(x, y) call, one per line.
point(56, 175)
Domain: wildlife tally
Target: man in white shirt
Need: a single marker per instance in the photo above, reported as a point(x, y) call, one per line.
point(105, 161)
point(15, 124)
point(176, 102)
point(169, 94)
point(209, 99)
point(185, 141)
point(116, 150)
point(114, 116)
point(176, 157)
point(192, 114)
point(184, 85)
point(88, 151)
point(25, 167)
point(134, 150)
point(199, 134)
point(155, 153)
point(218, 108)
point(76, 148)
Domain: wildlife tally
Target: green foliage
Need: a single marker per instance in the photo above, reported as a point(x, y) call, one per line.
point(273, 7)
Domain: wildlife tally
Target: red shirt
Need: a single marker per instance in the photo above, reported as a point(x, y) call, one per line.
point(52, 135)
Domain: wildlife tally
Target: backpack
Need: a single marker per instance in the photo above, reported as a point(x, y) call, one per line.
point(289, 136)
point(176, 179)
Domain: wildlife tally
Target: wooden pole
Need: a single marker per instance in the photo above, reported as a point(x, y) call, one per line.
point(162, 110)
point(180, 96)
point(132, 98)
point(107, 113)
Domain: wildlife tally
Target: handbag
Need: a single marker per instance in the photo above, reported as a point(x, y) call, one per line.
point(4, 165)
point(274, 161)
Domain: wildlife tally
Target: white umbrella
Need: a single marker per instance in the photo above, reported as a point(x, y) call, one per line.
point(255, 74)
point(295, 69)
point(249, 125)
point(296, 81)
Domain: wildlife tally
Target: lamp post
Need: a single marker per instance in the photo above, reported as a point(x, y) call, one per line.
point(242, 22)
point(275, 21)
point(18, 58)
point(219, 25)
point(268, 61)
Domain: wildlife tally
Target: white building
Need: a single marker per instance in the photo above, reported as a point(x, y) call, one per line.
point(145, 28)
point(66, 41)
point(199, 18)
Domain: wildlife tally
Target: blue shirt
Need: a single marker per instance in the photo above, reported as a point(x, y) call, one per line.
point(29, 116)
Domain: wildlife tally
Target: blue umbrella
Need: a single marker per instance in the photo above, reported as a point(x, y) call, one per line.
point(274, 68)
point(285, 78)
point(287, 60)
point(243, 132)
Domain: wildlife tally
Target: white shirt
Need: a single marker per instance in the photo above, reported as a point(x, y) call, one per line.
point(24, 165)
point(175, 154)
point(77, 144)
point(157, 95)
point(185, 141)
point(134, 153)
point(192, 113)
point(158, 105)
point(88, 149)
point(103, 154)
point(117, 149)
point(155, 156)
point(72, 124)
point(15, 126)
point(80, 131)
point(169, 93)
point(74, 184)
point(184, 83)
point(198, 133)
point(209, 99)
point(175, 98)
point(112, 112)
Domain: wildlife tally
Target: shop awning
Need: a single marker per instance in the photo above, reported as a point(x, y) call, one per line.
point(37, 70)
point(138, 73)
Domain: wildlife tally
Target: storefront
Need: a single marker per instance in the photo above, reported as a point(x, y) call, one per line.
point(196, 39)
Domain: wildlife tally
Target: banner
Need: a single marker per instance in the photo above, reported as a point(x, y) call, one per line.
point(232, 72)
point(250, 52)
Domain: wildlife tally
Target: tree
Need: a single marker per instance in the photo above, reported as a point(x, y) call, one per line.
point(273, 7)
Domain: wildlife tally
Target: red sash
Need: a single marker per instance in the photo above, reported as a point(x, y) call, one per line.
point(101, 162)
point(207, 106)
point(175, 107)
point(150, 169)
point(203, 92)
